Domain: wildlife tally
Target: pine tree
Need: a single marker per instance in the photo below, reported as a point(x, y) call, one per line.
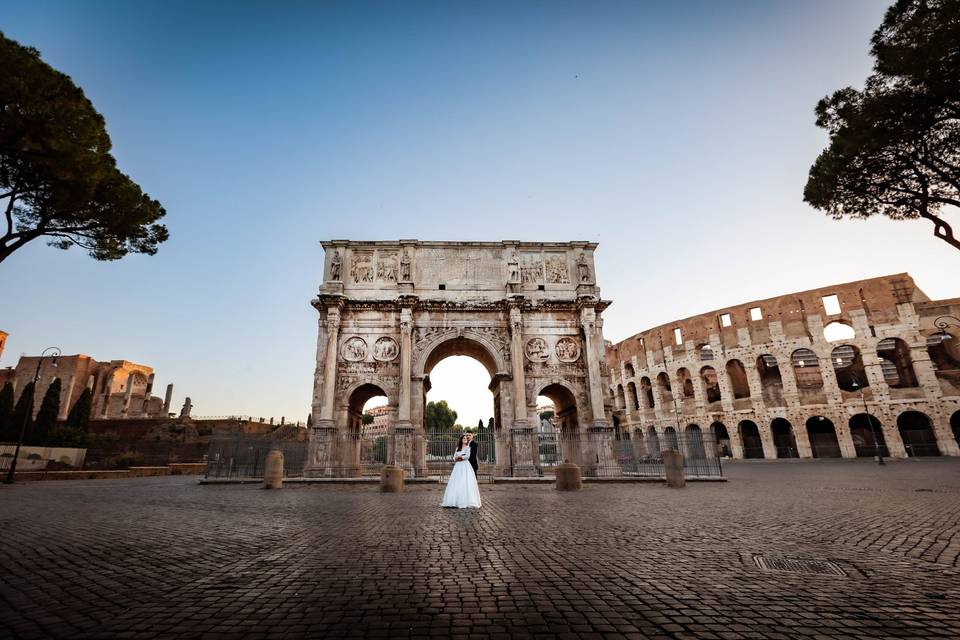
point(45, 424)
point(6, 413)
point(23, 411)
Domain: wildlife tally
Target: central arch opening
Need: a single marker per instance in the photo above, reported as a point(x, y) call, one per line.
point(459, 396)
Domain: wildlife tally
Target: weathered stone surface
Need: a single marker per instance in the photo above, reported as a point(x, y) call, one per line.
point(775, 386)
point(391, 479)
point(673, 469)
point(389, 311)
point(568, 477)
point(273, 470)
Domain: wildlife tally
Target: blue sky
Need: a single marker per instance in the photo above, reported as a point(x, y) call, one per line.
point(677, 135)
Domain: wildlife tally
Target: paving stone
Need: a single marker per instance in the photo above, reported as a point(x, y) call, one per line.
point(167, 558)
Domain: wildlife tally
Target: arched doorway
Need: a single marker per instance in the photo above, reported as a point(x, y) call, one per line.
point(721, 439)
point(565, 443)
point(653, 443)
point(364, 448)
point(823, 438)
point(693, 437)
point(461, 371)
point(457, 400)
point(750, 437)
point(955, 426)
point(867, 434)
point(917, 434)
point(783, 438)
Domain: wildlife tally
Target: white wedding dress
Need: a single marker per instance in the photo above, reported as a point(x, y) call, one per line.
point(462, 490)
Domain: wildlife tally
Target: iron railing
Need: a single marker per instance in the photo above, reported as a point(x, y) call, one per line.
point(431, 455)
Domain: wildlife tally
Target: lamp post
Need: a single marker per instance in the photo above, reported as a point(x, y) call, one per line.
point(942, 324)
point(54, 353)
point(673, 396)
point(876, 441)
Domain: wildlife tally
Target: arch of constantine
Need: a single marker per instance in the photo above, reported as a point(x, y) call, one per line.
point(390, 311)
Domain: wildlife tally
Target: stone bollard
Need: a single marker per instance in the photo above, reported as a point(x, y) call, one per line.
point(673, 466)
point(568, 477)
point(273, 470)
point(391, 479)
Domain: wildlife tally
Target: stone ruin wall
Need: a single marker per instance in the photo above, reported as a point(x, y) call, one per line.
point(646, 378)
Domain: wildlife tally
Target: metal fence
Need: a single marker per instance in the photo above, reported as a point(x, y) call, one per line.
point(242, 456)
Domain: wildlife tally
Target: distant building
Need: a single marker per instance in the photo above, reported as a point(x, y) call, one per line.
point(121, 389)
point(381, 421)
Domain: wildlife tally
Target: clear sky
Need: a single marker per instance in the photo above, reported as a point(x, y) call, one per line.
point(677, 135)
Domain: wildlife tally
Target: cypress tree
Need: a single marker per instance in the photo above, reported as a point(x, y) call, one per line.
point(6, 413)
point(309, 419)
point(45, 424)
point(74, 432)
point(23, 411)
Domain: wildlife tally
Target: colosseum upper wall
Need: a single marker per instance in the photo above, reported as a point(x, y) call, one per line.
point(852, 369)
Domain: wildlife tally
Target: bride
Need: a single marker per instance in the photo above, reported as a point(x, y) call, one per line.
point(462, 490)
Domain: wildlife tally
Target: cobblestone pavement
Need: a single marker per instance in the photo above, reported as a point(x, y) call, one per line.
point(167, 558)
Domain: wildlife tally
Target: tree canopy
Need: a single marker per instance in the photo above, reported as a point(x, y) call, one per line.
point(895, 145)
point(439, 417)
point(58, 178)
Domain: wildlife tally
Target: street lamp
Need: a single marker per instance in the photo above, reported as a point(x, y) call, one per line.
point(855, 383)
point(942, 324)
point(55, 354)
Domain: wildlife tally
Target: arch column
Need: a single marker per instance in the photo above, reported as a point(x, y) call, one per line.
point(766, 440)
point(521, 431)
point(322, 447)
point(404, 453)
point(736, 443)
point(601, 432)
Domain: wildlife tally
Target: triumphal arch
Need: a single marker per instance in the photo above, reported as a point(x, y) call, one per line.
point(530, 312)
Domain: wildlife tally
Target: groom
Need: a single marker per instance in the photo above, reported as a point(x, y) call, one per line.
point(473, 452)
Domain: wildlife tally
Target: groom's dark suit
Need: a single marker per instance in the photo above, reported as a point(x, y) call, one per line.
point(473, 455)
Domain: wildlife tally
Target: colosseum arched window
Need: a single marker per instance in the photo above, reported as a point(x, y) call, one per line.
point(895, 363)
point(628, 370)
point(621, 397)
point(738, 379)
point(806, 368)
point(771, 382)
point(632, 396)
point(838, 332)
point(848, 368)
point(663, 382)
point(711, 384)
point(647, 392)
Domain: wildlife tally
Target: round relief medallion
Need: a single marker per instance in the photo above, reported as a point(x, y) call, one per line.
point(385, 349)
point(537, 350)
point(568, 350)
point(354, 349)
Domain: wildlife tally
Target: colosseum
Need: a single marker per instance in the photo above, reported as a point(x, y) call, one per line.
point(860, 369)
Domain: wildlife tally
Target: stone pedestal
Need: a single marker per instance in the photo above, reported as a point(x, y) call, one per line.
point(673, 467)
point(321, 451)
point(601, 459)
point(568, 477)
point(403, 439)
point(522, 449)
point(391, 479)
point(273, 470)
